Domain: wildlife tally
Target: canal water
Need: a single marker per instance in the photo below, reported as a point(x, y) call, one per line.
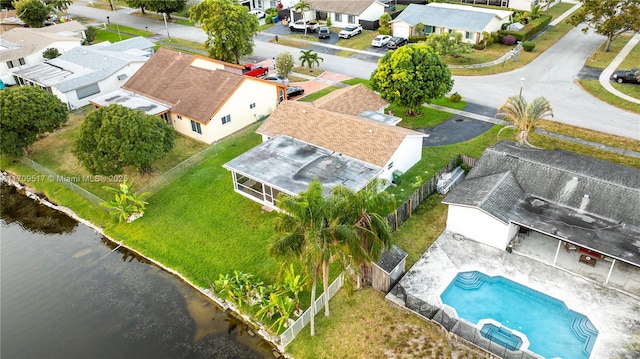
point(65, 293)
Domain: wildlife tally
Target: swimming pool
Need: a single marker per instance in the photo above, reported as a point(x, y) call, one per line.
point(551, 328)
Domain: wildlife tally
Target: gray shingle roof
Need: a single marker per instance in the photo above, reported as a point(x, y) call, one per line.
point(583, 200)
point(79, 67)
point(494, 194)
point(464, 18)
point(389, 259)
point(565, 178)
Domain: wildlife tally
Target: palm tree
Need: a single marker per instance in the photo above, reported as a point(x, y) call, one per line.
point(303, 7)
point(524, 116)
point(310, 58)
point(300, 234)
point(366, 211)
point(59, 5)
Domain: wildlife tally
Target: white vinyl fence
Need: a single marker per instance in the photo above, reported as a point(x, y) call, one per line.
point(290, 334)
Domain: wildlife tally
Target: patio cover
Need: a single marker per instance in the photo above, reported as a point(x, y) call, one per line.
point(290, 165)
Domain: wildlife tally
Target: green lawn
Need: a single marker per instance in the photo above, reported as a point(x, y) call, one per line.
point(111, 36)
point(129, 30)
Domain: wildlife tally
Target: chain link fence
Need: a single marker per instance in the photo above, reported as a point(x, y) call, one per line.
point(178, 170)
point(67, 181)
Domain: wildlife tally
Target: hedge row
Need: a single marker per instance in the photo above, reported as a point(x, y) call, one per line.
point(531, 29)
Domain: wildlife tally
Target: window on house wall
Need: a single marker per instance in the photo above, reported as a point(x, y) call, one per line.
point(179, 117)
point(468, 35)
point(10, 64)
point(281, 95)
point(338, 17)
point(351, 19)
point(429, 29)
point(226, 119)
point(21, 61)
point(450, 31)
point(253, 105)
point(195, 127)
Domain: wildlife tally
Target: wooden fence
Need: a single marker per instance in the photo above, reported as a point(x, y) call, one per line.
point(404, 211)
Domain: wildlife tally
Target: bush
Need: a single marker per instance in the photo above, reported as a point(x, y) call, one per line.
point(414, 39)
point(384, 31)
point(328, 20)
point(531, 29)
point(509, 40)
point(455, 97)
point(91, 34)
point(497, 37)
point(528, 46)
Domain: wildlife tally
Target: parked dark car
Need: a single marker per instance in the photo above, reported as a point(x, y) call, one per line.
point(324, 33)
point(396, 42)
point(630, 76)
point(293, 91)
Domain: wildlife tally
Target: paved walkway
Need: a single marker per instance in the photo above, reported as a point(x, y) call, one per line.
point(606, 73)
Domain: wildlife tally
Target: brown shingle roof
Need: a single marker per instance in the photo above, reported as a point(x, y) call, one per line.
point(352, 100)
point(197, 93)
point(349, 7)
point(360, 138)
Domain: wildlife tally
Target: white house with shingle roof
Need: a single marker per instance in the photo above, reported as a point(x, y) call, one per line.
point(344, 13)
point(85, 72)
point(201, 98)
point(440, 18)
point(302, 142)
point(22, 46)
point(578, 200)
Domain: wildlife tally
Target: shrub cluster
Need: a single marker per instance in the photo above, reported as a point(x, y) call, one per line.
point(455, 97)
point(528, 46)
point(509, 40)
point(384, 30)
point(414, 39)
point(531, 29)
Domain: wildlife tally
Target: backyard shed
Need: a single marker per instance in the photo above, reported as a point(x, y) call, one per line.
point(389, 269)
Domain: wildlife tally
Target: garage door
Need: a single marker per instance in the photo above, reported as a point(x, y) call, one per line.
point(400, 29)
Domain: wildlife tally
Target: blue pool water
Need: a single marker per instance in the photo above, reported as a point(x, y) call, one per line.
point(552, 329)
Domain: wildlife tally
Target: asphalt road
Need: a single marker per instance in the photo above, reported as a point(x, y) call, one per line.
point(552, 74)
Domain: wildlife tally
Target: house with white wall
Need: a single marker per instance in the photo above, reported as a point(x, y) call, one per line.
point(344, 13)
point(302, 142)
point(201, 98)
point(22, 46)
point(579, 201)
point(86, 72)
point(523, 5)
point(440, 18)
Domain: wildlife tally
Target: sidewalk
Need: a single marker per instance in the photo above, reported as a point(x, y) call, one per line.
point(606, 73)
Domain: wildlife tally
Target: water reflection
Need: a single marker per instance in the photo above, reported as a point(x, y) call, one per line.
point(32, 217)
point(67, 294)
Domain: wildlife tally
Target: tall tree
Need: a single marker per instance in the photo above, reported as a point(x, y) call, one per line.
point(59, 5)
point(166, 6)
point(366, 211)
point(33, 12)
point(115, 136)
point(284, 64)
point(525, 116)
point(310, 58)
point(229, 27)
point(26, 113)
point(608, 17)
point(307, 230)
point(411, 76)
point(142, 4)
point(303, 6)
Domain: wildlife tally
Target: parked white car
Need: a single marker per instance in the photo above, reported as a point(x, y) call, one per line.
point(258, 13)
point(380, 40)
point(349, 31)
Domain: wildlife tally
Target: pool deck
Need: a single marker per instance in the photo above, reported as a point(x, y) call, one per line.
point(614, 312)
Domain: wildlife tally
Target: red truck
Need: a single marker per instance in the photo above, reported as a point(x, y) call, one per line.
point(254, 70)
